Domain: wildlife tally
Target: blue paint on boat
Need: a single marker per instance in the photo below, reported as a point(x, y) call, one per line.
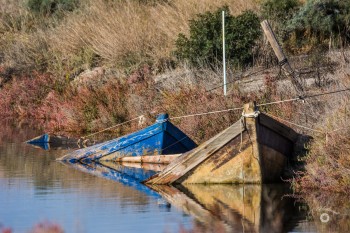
point(41, 142)
point(45, 138)
point(138, 174)
point(160, 138)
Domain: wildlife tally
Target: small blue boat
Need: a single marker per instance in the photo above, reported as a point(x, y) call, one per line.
point(45, 138)
point(50, 141)
point(161, 138)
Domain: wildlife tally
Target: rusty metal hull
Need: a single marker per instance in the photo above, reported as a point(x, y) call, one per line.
point(253, 150)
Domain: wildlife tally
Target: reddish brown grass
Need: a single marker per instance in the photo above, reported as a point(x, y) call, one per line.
point(20, 97)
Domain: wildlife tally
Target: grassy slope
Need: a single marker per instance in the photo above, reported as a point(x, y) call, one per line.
point(113, 33)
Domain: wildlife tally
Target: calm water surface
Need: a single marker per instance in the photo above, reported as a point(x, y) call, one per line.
point(34, 188)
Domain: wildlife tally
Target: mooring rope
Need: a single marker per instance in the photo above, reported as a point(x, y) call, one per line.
point(302, 98)
point(280, 101)
point(304, 127)
point(206, 113)
point(140, 118)
point(299, 98)
point(326, 93)
point(245, 76)
point(289, 122)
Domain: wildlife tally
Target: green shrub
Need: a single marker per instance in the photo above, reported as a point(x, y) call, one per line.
point(319, 21)
point(204, 45)
point(279, 11)
point(49, 7)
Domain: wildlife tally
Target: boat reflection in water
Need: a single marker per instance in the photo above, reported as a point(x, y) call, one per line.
point(130, 176)
point(215, 208)
point(234, 208)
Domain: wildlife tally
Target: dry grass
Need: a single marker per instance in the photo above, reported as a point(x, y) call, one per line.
point(23, 40)
point(12, 7)
point(328, 162)
point(130, 33)
point(90, 109)
point(122, 34)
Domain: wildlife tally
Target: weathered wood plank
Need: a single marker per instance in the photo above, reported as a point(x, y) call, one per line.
point(145, 166)
point(156, 159)
point(193, 158)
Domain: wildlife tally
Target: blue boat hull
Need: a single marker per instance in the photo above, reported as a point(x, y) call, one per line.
point(49, 141)
point(45, 138)
point(160, 138)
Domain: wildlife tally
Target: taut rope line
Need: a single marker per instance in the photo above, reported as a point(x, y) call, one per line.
point(304, 127)
point(302, 98)
point(206, 113)
point(114, 126)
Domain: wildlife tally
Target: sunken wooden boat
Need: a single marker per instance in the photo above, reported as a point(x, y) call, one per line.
point(161, 138)
point(255, 149)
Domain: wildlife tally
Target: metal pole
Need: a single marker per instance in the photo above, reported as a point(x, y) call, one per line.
point(223, 51)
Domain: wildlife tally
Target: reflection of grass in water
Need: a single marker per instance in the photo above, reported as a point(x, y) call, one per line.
point(20, 160)
point(44, 227)
point(13, 131)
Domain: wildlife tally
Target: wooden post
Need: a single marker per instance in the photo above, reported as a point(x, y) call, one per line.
point(282, 59)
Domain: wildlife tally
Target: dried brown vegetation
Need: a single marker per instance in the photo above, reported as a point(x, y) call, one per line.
point(129, 33)
point(114, 33)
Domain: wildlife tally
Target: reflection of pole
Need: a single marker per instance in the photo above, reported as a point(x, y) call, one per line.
point(223, 51)
point(282, 59)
